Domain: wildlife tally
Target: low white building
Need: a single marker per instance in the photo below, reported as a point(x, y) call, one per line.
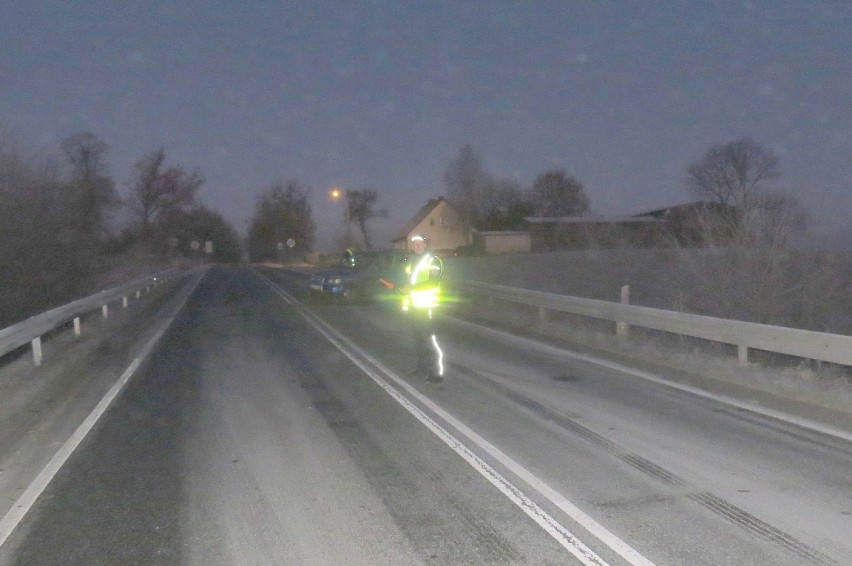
point(442, 225)
point(503, 242)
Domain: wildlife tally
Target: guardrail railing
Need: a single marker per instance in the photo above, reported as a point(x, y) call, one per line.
point(821, 346)
point(32, 329)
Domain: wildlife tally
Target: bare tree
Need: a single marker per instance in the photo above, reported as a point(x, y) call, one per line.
point(554, 194)
point(93, 189)
point(775, 220)
point(504, 206)
point(468, 184)
point(43, 261)
point(85, 152)
point(755, 272)
point(202, 225)
point(733, 173)
point(485, 202)
point(360, 208)
point(12, 168)
point(747, 211)
point(157, 192)
point(282, 213)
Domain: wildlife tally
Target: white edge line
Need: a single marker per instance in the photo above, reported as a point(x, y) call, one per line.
point(553, 527)
point(28, 498)
point(724, 399)
point(23, 504)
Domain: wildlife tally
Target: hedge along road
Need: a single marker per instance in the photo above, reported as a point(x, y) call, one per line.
point(248, 437)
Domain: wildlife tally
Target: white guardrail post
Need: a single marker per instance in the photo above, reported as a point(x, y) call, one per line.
point(622, 328)
point(807, 344)
point(36, 345)
point(742, 355)
point(31, 330)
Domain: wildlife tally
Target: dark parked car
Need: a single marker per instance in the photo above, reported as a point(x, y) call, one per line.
point(360, 276)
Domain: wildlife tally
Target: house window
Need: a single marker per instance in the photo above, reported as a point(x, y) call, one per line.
point(442, 221)
point(431, 222)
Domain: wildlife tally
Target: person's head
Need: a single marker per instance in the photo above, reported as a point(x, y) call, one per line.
point(418, 243)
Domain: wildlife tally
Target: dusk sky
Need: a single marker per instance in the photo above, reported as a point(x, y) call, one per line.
point(382, 94)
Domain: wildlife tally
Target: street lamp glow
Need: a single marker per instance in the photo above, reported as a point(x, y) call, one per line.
point(335, 193)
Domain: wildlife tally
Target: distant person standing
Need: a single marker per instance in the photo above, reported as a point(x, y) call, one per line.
point(421, 294)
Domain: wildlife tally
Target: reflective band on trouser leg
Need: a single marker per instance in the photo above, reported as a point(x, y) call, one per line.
point(440, 355)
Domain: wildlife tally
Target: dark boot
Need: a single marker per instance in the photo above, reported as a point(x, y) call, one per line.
point(435, 378)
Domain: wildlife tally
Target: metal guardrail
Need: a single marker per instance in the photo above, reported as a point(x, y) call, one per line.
point(834, 348)
point(822, 346)
point(32, 329)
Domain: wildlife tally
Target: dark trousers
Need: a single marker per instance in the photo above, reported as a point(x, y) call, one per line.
point(429, 354)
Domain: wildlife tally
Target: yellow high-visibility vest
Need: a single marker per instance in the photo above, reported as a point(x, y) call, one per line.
point(424, 279)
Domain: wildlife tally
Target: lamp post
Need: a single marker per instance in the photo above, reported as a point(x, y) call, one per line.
point(337, 194)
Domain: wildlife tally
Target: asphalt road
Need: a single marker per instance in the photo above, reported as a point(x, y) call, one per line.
point(266, 429)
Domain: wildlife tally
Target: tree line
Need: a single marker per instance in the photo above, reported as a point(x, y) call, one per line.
point(64, 228)
point(492, 203)
point(759, 265)
point(283, 227)
point(283, 213)
point(734, 176)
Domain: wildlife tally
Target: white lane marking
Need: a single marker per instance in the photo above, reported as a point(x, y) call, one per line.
point(38, 485)
point(553, 527)
point(22, 505)
point(561, 352)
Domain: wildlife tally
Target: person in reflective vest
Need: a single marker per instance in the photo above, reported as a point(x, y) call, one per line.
point(421, 297)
